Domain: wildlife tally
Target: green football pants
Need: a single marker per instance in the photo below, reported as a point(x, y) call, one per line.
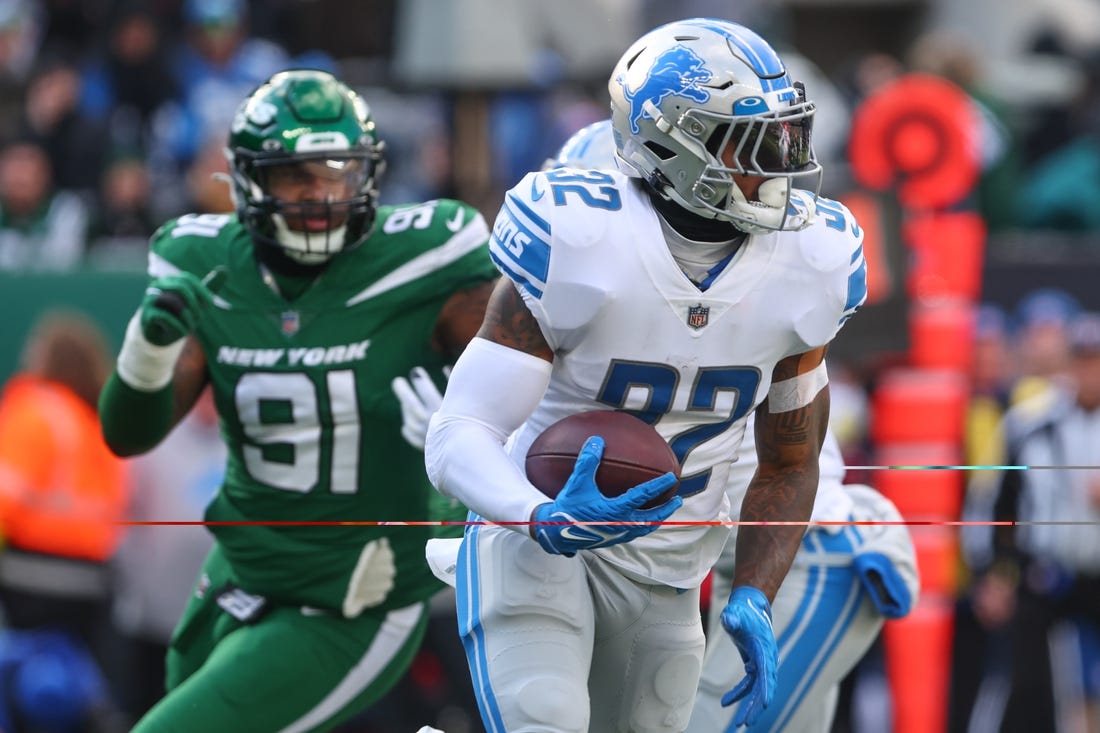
point(292, 670)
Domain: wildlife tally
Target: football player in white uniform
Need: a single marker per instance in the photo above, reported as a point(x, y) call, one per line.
point(844, 581)
point(697, 286)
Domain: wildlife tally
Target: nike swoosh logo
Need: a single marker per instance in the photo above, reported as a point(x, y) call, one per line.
point(579, 535)
point(536, 194)
point(456, 223)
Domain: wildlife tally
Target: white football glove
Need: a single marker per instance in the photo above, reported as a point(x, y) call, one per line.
point(419, 398)
point(372, 579)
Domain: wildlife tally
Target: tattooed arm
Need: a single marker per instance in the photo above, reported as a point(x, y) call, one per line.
point(460, 319)
point(509, 322)
point(787, 444)
point(496, 384)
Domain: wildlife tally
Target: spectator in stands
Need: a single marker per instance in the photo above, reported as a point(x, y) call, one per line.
point(52, 118)
point(1051, 562)
point(62, 492)
point(1062, 190)
point(207, 180)
point(123, 219)
point(216, 66)
point(128, 79)
point(1041, 340)
point(41, 227)
point(979, 663)
point(20, 33)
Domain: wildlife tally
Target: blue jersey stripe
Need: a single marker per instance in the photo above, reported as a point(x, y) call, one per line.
point(832, 621)
point(857, 288)
point(523, 248)
point(516, 277)
point(469, 625)
point(530, 214)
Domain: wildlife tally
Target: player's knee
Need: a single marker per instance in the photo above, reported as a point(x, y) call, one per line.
point(668, 706)
point(553, 703)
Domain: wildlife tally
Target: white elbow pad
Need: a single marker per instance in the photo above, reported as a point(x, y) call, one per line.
point(491, 392)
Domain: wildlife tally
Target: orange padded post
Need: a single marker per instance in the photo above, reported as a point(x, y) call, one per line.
point(918, 653)
point(941, 335)
point(919, 406)
point(922, 494)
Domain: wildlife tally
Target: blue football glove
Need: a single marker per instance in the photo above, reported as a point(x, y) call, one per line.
point(173, 305)
point(747, 618)
point(581, 500)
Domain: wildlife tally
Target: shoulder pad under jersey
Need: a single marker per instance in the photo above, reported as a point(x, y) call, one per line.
point(831, 248)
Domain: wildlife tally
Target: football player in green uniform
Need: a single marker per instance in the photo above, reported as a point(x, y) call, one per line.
point(299, 311)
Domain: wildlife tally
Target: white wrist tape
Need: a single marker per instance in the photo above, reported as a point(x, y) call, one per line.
point(798, 391)
point(144, 365)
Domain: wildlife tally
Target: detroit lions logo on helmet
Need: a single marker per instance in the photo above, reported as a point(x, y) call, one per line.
point(678, 71)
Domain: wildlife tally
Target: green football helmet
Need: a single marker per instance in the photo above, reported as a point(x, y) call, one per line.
point(304, 159)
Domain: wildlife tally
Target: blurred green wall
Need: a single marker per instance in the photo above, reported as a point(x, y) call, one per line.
point(109, 298)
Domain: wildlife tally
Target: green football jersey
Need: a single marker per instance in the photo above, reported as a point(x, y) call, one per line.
point(303, 389)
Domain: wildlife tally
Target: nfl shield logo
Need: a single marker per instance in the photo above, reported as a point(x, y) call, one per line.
point(289, 322)
point(698, 315)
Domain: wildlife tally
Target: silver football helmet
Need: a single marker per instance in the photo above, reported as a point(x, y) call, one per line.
point(695, 103)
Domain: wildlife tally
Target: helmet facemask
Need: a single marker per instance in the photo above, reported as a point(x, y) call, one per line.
point(774, 146)
point(327, 202)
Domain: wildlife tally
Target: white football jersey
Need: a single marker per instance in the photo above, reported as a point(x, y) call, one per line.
point(630, 331)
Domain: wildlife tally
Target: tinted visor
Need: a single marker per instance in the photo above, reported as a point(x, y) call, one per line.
point(763, 146)
point(337, 178)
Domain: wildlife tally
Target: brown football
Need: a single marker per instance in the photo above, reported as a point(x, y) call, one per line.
point(634, 452)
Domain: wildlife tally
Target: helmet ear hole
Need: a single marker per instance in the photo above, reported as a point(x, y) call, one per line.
point(660, 150)
point(714, 142)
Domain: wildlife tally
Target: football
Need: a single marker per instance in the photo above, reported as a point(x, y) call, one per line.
point(634, 452)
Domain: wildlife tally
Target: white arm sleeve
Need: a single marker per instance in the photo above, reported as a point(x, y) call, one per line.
point(491, 392)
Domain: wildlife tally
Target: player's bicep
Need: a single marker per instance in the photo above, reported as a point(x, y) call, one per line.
point(460, 318)
point(792, 420)
point(509, 322)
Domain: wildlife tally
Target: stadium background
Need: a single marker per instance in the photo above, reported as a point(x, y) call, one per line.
point(469, 94)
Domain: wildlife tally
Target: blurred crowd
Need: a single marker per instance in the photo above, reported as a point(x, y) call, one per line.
point(113, 118)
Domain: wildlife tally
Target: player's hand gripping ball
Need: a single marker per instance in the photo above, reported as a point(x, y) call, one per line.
point(634, 452)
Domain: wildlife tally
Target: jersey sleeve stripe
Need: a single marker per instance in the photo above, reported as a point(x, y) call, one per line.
point(857, 286)
point(520, 245)
point(469, 238)
point(159, 266)
point(527, 212)
point(516, 277)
